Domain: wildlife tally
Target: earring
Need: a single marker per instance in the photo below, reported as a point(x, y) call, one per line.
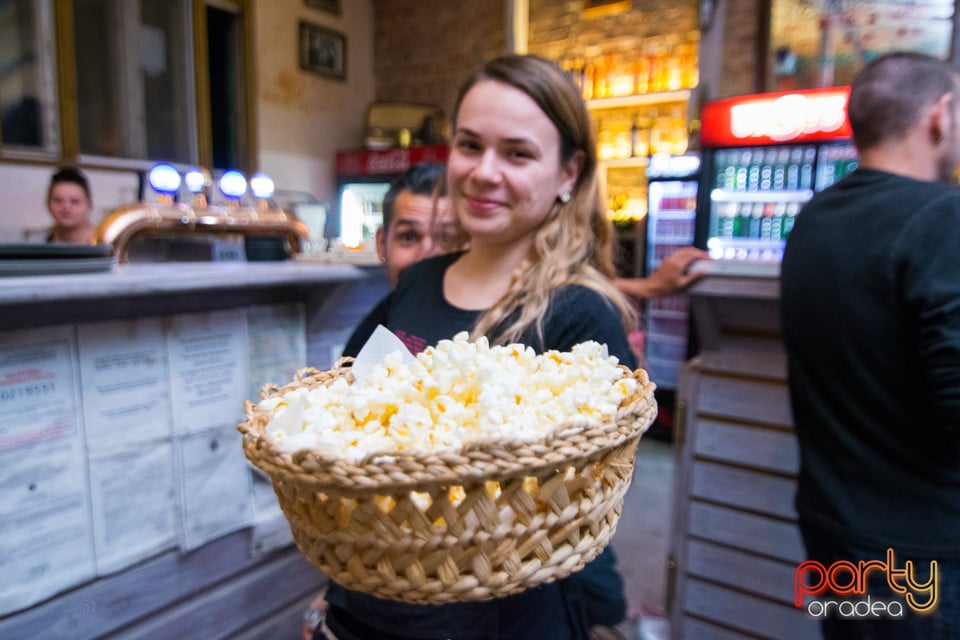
point(564, 197)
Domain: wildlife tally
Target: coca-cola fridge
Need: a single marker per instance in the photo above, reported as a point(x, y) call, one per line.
point(363, 177)
point(764, 156)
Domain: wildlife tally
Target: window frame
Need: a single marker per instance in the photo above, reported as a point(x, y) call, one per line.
point(55, 43)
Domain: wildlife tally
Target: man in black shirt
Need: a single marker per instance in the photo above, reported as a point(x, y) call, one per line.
point(871, 322)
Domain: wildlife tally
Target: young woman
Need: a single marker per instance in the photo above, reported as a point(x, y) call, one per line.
point(522, 183)
point(70, 205)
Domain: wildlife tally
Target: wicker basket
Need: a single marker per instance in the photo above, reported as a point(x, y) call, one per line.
point(500, 517)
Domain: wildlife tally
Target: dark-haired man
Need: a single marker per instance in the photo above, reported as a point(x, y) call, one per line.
point(411, 231)
point(871, 321)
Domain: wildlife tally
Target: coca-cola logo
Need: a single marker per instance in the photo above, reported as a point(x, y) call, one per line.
point(788, 117)
point(393, 161)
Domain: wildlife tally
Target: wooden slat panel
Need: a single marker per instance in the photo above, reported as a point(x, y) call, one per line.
point(753, 615)
point(743, 488)
point(745, 399)
point(742, 444)
point(746, 531)
point(113, 602)
point(230, 608)
point(748, 355)
point(699, 630)
point(760, 576)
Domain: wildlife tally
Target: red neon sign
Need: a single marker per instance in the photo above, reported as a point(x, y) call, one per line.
point(772, 118)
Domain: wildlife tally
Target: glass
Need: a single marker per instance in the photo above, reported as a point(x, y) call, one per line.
point(27, 85)
point(824, 44)
point(134, 79)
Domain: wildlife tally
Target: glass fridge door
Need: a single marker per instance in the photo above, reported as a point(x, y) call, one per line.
point(755, 195)
point(671, 219)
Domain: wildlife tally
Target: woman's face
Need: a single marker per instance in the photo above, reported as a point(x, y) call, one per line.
point(68, 204)
point(504, 168)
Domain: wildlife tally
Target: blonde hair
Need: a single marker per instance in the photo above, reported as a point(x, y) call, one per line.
point(574, 245)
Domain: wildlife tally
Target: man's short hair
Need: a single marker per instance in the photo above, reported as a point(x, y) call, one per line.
point(420, 179)
point(889, 94)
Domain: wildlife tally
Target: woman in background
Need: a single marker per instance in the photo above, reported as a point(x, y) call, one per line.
point(70, 206)
point(522, 183)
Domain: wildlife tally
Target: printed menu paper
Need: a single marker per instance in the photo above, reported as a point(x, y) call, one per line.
point(208, 360)
point(214, 486)
point(208, 369)
point(46, 535)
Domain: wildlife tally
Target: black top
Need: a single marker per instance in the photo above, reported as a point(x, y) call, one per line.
point(871, 322)
point(417, 312)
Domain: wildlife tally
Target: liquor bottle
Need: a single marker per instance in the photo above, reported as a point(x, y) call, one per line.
point(641, 73)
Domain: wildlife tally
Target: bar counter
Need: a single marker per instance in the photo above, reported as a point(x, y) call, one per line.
point(244, 580)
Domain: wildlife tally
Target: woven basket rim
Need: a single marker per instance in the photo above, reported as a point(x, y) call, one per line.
point(476, 462)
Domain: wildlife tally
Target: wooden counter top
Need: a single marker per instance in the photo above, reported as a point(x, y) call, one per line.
point(146, 279)
point(152, 289)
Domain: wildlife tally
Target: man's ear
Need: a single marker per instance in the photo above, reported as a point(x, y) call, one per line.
point(940, 120)
point(381, 244)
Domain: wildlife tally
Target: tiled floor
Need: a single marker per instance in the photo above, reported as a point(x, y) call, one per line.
point(642, 540)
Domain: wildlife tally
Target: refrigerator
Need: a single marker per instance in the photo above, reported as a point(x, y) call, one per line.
point(764, 156)
point(672, 187)
point(363, 177)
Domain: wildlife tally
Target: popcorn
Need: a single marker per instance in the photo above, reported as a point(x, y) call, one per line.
point(451, 394)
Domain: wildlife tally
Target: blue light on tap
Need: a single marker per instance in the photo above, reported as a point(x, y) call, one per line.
point(232, 184)
point(164, 179)
point(261, 186)
point(195, 180)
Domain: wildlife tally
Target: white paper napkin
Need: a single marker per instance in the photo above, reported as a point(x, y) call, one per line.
point(382, 342)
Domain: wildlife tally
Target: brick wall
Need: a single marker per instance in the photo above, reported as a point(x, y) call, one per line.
point(423, 49)
point(742, 40)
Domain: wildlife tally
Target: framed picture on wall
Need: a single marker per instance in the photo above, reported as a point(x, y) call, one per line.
point(323, 51)
point(330, 6)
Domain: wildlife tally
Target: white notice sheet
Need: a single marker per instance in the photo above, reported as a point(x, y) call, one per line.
point(46, 536)
point(278, 345)
point(208, 369)
point(215, 492)
point(126, 387)
point(128, 423)
point(278, 349)
point(134, 503)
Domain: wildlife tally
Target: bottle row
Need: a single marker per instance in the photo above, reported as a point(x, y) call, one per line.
point(765, 169)
point(657, 65)
point(642, 133)
point(755, 220)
